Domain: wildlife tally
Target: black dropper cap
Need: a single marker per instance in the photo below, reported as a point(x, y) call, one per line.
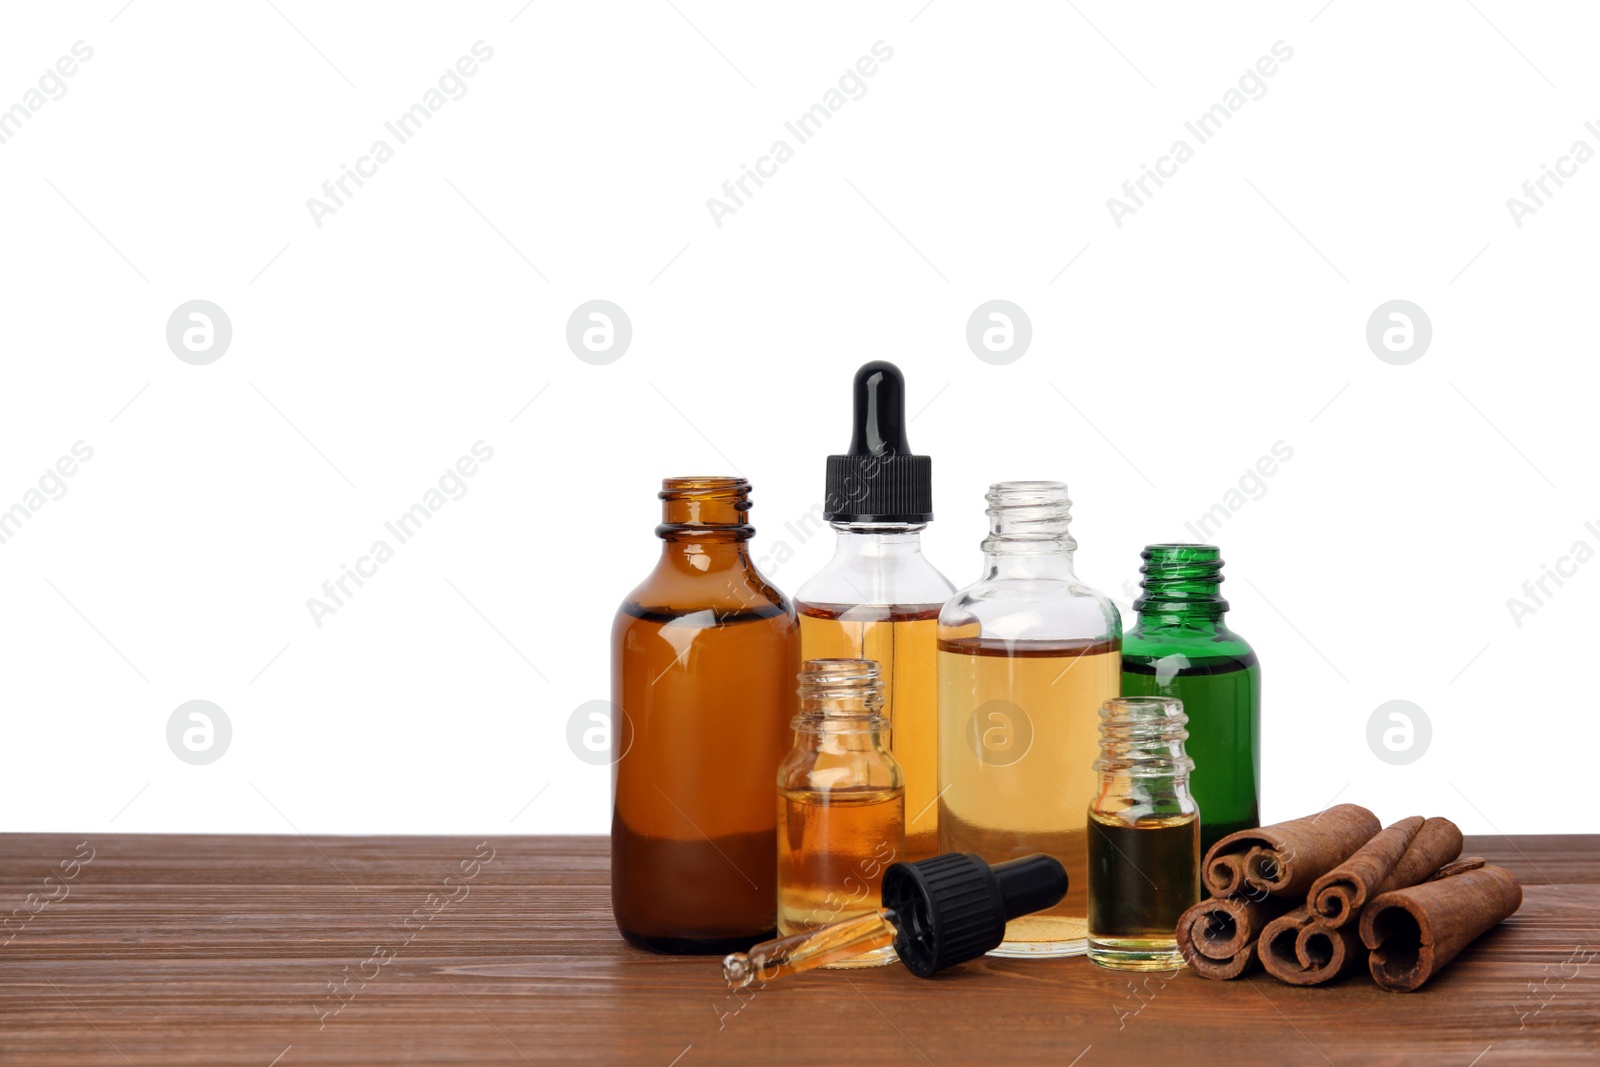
point(879, 480)
point(954, 908)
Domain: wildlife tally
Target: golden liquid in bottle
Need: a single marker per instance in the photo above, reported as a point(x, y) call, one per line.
point(833, 848)
point(1144, 873)
point(903, 639)
point(1019, 734)
point(708, 696)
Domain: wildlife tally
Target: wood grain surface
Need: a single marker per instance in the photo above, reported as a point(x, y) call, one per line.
point(293, 951)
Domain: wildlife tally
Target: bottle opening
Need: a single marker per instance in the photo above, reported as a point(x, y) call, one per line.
point(716, 504)
point(1029, 517)
point(1143, 736)
point(1181, 578)
point(1027, 485)
point(839, 689)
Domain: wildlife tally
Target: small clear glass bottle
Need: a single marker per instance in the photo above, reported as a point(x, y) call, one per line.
point(879, 597)
point(841, 804)
point(1026, 657)
point(1144, 836)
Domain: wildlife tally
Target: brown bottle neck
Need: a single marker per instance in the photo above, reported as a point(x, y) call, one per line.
point(703, 557)
point(705, 523)
point(736, 533)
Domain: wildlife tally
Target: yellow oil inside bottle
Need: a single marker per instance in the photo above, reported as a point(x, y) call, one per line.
point(1018, 737)
point(833, 847)
point(903, 639)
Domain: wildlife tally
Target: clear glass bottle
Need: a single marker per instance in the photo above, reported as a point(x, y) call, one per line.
point(1181, 647)
point(1027, 656)
point(841, 803)
point(1144, 836)
point(879, 597)
point(704, 654)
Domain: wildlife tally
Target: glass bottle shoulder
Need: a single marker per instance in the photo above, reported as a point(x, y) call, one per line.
point(833, 765)
point(1030, 609)
point(1185, 644)
point(877, 567)
point(691, 588)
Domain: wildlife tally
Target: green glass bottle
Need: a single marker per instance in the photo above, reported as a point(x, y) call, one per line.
point(1181, 647)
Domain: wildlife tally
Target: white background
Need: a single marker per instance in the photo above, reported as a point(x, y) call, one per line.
point(1227, 314)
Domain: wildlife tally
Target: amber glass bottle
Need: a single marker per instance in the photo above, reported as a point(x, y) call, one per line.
point(703, 663)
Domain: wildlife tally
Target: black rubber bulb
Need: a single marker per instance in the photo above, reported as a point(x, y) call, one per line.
point(880, 403)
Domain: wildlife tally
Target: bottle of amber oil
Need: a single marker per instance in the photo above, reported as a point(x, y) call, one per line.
point(1027, 655)
point(1144, 836)
point(841, 804)
point(879, 596)
point(703, 658)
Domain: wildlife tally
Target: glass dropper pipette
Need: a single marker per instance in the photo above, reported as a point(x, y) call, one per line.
point(936, 913)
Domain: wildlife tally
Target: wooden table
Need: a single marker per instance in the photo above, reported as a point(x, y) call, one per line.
point(346, 950)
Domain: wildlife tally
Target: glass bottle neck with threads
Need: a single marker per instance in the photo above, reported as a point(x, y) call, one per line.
point(1143, 769)
point(1142, 737)
point(1181, 588)
point(705, 522)
point(1028, 531)
point(840, 704)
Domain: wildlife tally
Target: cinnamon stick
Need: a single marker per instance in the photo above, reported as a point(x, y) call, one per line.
point(1414, 932)
point(1303, 950)
point(1217, 937)
point(1401, 855)
point(1285, 858)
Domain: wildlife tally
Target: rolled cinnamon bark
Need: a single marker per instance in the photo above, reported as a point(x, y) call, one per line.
point(1337, 896)
point(1302, 950)
point(1217, 937)
point(1327, 952)
point(1402, 855)
point(1284, 859)
point(1414, 932)
point(1242, 962)
point(1223, 875)
point(1276, 946)
point(1436, 844)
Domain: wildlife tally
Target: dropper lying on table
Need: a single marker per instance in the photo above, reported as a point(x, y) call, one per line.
point(936, 913)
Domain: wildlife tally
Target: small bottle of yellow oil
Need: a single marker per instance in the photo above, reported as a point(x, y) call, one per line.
point(1144, 836)
point(841, 803)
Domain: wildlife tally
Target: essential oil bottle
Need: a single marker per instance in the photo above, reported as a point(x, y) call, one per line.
point(1027, 656)
point(1144, 836)
point(879, 597)
point(1181, 647)
point(704, 655)
point(841, 804)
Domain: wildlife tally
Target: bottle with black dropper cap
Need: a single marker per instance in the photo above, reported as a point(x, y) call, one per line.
point(936, 913)
point(879, 597)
